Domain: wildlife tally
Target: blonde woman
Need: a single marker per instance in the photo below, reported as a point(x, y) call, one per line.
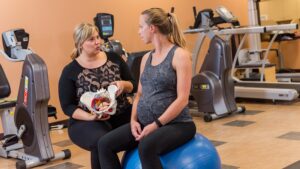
point(160, 121)
point(91, 70)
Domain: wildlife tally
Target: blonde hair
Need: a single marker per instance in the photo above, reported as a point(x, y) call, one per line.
point(166, 23)
point(81, 33)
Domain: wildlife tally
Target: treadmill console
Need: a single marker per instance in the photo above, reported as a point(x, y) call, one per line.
point(105, 24)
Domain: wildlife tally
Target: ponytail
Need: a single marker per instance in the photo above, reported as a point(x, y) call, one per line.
point(166, 23)
point(74, 54)
point(176, 34)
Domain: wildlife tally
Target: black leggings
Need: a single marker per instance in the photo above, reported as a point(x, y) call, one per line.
point(86, 134)
point(162, 140)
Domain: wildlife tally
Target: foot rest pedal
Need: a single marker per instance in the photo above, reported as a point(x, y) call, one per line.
point(10, 139)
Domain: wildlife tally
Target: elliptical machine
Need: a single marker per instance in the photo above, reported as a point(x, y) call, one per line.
point(29, 123)
point(213, 87)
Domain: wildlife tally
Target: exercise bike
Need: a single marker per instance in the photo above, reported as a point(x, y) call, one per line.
point(26, 131)
point(213, 86)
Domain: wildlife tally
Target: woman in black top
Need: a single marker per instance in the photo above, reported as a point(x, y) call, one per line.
point(91, 70)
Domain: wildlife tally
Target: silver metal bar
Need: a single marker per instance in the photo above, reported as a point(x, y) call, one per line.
point(288, 75)
point(233, 31)
point(198, 30)
point(282, 27)
point(236, 56)
point(245, 30)
point(266, 56)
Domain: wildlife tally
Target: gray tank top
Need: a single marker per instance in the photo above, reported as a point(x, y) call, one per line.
point(159, 90)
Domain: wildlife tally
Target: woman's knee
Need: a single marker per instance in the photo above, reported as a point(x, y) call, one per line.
point(103, 143)
point(146, 146)
point(89, 146)
point(87, 143)
point(86, 135)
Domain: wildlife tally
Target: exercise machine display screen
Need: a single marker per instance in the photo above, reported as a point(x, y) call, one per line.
point(105, 24)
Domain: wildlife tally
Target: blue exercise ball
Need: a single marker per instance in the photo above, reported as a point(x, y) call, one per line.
point(198, 153)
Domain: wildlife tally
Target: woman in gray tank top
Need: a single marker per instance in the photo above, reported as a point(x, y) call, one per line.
point(160, 121)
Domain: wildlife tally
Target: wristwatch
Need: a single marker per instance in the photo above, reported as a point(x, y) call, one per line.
point(158, 123)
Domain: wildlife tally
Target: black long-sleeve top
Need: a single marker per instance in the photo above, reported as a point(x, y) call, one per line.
point(76, 80)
